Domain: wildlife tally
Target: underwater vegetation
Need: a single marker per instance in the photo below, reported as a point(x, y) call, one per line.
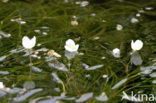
point(77, 51)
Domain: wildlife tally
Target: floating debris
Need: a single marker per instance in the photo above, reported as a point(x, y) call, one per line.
point(55, 77)
point(85, 97)
point(95, 67)
point(59, 66)
point(36, 69)
point(102, 97)
point(4, 72)
point(26, 95)
point(119, 83)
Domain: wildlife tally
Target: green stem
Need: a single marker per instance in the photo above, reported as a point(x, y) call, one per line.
point(30, 64)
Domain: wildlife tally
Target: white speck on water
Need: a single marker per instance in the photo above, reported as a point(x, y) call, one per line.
point(84, 97)
point(119, 83)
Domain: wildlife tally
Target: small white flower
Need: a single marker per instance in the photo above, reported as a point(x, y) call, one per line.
point(74, 23)
point(138, 14)
point(84, 3)
point(28, 43)
point(71, 46)
point(1, 85)
point(116, 52)
point(134, 20)
point(119, 27)
point(137, 45)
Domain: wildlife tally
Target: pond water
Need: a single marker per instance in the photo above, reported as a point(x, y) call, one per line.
point(71, 51)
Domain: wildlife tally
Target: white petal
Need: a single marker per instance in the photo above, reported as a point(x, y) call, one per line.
point(27, 43)
point(70, 42)
point(76, 47)
point(137, 45)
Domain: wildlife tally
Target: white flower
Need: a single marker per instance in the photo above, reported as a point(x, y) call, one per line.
point(1, 85)
point(119, 27)
point(116, 52)
point(134, 20)
point(137, 45)
point(74, 23)
point(84, 3)
point(28, 43)
point(71, 46)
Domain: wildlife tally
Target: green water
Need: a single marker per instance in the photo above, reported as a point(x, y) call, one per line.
point(96, 35)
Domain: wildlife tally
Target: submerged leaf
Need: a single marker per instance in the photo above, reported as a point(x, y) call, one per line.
point(95, 67)
point(26, 95)
point(103, 97)
point(36, 69)
point(119, 83)
point(85, 97)
point(59, 66)
point(2, 58)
